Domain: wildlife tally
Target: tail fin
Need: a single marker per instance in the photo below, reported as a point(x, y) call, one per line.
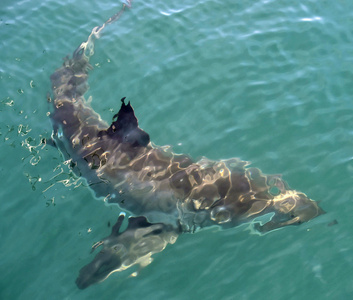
point(70, 81)
point(86, 49)
point(71, 113)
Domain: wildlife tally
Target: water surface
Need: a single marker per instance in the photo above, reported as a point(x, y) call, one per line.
point(266, 81)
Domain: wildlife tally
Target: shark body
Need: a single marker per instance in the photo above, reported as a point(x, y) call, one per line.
point(168, 193)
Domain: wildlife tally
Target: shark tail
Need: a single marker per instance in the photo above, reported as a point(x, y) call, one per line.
point(72, 114)
point(70, 81)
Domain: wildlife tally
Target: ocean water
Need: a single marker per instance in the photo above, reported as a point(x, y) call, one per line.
point(270, 82)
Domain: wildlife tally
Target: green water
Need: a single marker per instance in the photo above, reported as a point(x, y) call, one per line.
point(267, 81)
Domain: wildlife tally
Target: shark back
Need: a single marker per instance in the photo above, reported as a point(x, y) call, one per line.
point(170, 193)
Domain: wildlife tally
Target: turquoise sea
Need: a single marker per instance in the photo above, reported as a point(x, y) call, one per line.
point(267, 81)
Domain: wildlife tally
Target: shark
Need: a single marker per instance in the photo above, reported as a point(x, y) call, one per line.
point(166, 194)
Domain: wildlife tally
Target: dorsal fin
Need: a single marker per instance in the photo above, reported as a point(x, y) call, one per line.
point(116, 227)
point(125, 117)
point(125, 128)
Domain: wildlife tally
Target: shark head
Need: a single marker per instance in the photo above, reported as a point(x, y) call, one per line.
point(121, 250)
point(106, 262)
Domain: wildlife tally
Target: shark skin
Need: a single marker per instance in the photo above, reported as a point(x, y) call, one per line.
point(169, 193)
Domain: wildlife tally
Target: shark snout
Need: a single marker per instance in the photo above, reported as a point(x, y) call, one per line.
point(99, 269)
